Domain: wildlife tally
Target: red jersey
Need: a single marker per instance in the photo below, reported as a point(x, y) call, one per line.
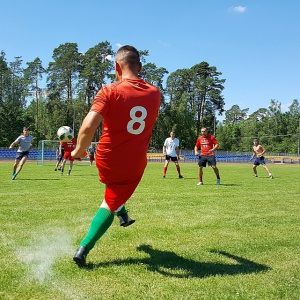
point(129, 109)
point(69, 146)
point(205, 143)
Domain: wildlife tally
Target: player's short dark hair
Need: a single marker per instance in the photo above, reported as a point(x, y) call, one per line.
point(128, 55)
point(25, 128)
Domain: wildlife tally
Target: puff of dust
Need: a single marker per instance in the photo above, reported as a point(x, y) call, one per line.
point(44, 249)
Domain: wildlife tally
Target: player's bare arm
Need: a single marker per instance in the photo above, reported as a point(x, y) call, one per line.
point(177, 153)
point(216, 146)
point(86, 133)
point(164, 150)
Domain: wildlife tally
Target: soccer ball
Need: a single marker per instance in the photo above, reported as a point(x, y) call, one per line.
point(65, 133)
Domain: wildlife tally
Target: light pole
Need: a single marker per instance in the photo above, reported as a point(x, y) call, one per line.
point(298, 139)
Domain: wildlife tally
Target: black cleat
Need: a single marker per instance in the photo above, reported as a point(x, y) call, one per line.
point(125, 220)
point(180, 176)
point(80, 257)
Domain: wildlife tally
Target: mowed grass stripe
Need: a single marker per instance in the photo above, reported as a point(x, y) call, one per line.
point(239, 240)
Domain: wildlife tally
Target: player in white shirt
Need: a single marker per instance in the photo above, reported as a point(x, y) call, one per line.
point(171, 151)
point(25, 144)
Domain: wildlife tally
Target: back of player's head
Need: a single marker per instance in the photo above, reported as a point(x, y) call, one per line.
point(128, 55)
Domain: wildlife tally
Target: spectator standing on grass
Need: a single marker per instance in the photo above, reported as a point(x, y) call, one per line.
point(259, 159)
point(24, 142)
point(207, 144)
point(171, 152)
point(128, 109)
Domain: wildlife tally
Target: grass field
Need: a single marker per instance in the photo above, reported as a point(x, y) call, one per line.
point(239, 240)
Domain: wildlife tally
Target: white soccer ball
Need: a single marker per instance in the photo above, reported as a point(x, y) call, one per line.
point(65, 133)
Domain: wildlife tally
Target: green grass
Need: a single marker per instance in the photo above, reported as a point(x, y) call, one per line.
point(239, 240)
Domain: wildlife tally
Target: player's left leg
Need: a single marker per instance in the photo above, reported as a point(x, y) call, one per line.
point(178, 168)
point(99, 225)
point(116, 196)
point(267, 169)
point(63, 166)
point(216, 170)
point(212, 162)
point(70, 167)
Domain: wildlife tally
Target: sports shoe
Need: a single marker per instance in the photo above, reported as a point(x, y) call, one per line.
point(271, 176)
point(200, 183)
point(14, 176)
point(55, 169)
point(255, 175)
point(125, 220)
point(164, 176)
point(218, 182)
point(180, 176)
point(80, 257)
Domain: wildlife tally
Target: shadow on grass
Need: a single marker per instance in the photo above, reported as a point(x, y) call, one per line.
point(170, 264)
point(35, 179)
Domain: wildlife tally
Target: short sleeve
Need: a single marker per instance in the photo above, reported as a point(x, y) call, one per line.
point(101, 102)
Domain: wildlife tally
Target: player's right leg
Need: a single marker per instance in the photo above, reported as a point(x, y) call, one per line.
point(165, 167)
point(254, 170)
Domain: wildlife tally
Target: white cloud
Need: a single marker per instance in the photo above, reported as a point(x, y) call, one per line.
point(238, 9)
point(285, 107)
point(109, 57)
point(119, 45)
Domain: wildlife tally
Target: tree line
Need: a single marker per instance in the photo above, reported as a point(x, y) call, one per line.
point(47, 97)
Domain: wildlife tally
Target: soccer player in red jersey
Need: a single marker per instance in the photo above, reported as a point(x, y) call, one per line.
point(208, 144)
point(68, 148)
point(128, 110)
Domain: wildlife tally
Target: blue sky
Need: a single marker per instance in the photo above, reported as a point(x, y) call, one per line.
point(254, 43)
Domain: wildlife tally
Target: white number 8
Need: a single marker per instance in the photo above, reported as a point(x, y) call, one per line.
point(135, 119)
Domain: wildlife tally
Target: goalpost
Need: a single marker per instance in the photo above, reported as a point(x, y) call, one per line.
point(47, 151)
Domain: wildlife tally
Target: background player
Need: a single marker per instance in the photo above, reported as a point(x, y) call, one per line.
point(91, 152)
point(208, 144)
point(258, 155)
point(25, 144)
point(59, 156)
point(68, 148)
point(128, 109)
point(171, 151)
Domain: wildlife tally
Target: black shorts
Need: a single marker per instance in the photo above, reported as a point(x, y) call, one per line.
point(20, 155)
point(210, 160)
point(172, 158)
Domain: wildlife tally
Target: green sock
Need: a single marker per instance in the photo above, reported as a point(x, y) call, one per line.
point(100, 223)
point(122, 211)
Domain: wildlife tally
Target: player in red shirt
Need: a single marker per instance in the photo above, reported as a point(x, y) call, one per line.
point(68, 148)
point(208, 144)
point(128, 109)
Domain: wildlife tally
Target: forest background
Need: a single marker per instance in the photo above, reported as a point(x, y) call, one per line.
point(47, 97)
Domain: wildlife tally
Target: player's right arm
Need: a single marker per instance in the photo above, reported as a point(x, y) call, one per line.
point(14, 143)
point(86, 133)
